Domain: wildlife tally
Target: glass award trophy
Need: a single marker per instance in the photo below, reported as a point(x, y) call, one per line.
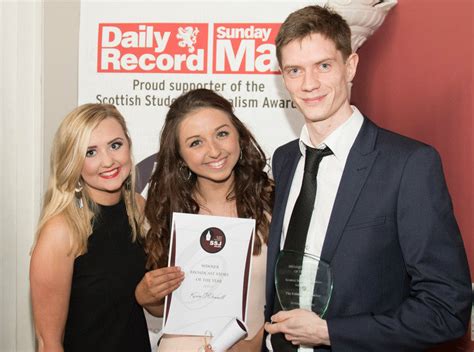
point(303, 281)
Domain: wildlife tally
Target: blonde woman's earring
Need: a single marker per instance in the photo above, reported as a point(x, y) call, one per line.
point(128, 183)
point(78, 195)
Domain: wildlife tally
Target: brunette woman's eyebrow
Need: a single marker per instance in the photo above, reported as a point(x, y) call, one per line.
point(216, 129)
point(191, 137)
point(224, 125)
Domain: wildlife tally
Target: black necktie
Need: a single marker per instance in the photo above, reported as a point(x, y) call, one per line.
point(299, 224)
point(303, 209)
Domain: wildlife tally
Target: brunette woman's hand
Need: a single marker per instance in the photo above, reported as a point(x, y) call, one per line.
point(157, 284)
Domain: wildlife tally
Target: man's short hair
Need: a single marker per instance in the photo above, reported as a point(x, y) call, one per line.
point(315, 19)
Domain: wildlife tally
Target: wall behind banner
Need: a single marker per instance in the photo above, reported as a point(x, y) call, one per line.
point(415, 77)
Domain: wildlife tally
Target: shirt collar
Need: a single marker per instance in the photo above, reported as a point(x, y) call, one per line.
point(340, 141)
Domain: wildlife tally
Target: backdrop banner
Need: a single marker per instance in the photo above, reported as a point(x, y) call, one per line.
point(140, 56)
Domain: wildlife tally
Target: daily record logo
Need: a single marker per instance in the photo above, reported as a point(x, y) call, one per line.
point(229, 48)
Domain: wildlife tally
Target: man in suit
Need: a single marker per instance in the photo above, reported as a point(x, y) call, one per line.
point(382, 215)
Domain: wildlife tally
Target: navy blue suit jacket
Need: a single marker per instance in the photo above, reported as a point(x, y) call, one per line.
point(401, 278)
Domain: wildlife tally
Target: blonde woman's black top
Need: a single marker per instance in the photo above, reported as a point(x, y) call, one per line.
point(103, 313)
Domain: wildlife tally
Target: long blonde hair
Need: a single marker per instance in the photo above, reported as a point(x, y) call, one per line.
point(67, 159)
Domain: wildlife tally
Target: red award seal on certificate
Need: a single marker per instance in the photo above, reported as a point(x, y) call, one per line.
point(212, 240)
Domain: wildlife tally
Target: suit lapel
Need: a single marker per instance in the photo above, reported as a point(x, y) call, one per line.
point(356, 170)
point(286, 178)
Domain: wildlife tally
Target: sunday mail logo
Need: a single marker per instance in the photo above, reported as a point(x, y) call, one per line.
point(153, 47)
point(245, 48)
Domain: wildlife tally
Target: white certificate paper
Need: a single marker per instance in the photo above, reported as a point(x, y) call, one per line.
point(215, 254)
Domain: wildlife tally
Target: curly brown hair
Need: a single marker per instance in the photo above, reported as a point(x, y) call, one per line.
point(172, 186)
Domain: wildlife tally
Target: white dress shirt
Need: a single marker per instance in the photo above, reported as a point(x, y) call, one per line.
point(329, 176)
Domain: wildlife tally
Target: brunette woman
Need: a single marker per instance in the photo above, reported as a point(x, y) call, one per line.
point(209, 163)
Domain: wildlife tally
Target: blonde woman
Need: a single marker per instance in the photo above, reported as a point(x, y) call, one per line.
point(88, 259)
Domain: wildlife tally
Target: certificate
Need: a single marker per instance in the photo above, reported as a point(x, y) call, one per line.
point(215, 254)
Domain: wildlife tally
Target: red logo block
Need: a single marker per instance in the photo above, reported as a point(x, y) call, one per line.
point(153, 47)
point(245, 48)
